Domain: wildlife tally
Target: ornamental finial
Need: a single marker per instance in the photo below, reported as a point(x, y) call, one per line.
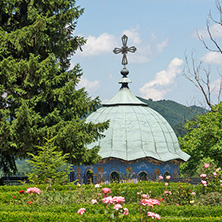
point(124, 50)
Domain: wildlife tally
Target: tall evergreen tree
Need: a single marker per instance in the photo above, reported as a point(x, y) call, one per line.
point(38, 91)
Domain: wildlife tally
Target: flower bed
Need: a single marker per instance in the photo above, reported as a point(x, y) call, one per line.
point(143, 201)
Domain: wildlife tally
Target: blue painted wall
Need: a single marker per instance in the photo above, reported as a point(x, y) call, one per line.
point(103, 172)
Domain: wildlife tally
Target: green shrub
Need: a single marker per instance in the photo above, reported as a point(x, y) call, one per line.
point(211, 199)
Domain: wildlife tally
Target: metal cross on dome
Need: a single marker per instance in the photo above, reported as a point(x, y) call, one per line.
point(124, 50)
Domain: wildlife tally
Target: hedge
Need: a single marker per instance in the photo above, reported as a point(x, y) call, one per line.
point(164, 211)
point(65, 217)
point(13, 210)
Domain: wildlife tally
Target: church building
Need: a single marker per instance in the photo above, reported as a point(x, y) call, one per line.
point(139, 143)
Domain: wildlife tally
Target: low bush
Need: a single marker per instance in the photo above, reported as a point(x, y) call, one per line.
point(211, 199)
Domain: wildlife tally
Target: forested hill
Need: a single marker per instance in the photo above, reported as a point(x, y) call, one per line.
point(175, 113)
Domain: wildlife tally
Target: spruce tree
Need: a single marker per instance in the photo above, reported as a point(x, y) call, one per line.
point(38, 91)
point(48, 166)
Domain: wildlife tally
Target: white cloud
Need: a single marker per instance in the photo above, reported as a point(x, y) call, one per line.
point(216, 31)
point(152, 93)
point(90, 86)
point(215, 85)
point(133, 35)
point(145, 49)
point(105, 43)
point(159, 87)
point(138, 59)
point(162, 45)
point(212, 58)
point(98, 45)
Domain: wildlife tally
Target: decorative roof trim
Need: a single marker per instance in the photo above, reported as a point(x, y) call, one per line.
point(125, 104)
point(148, 159)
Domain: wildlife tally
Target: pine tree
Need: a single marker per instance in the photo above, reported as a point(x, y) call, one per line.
point(38, 91)
point(48, 165)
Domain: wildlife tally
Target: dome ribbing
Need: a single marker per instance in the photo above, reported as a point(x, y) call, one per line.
point(136, 131)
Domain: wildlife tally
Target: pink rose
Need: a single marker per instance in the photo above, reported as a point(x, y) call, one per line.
point(160, 177)
point(215, 174)
point(145, 196)
point(81, 211)
point(221, 185)
point(203, 175)
point(193, 193)
point(126, 211)
point(157, 216)
point(108, 200)
point(206, 165)
point(94, 201)
point(218, 169)
point(118, 200)
point(33, 190)
point(168, 177)
point(150, 214)
point(167, 192)
point(154, 201)
point(106, 190)
point(149, 202)
point(146, 202)
point(166, 184)
point(117, 206)
point(204, 182)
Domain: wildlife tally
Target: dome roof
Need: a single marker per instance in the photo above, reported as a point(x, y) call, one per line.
point(135, 131)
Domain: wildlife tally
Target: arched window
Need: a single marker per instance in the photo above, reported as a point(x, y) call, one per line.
point(142, 176)
point(115, 177)
point(89, 176)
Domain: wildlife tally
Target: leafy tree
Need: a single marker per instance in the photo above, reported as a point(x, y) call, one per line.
point(204, 140)
point(38, 91)
point(48, 165)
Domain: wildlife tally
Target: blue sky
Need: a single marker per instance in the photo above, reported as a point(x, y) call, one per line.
point(163, 31)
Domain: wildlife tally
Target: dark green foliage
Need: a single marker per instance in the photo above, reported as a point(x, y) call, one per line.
point(203, 140)
point(176, 114)
point(38, 91)
point(211, 199)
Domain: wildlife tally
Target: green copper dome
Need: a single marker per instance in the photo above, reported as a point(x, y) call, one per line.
point(136, 131)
